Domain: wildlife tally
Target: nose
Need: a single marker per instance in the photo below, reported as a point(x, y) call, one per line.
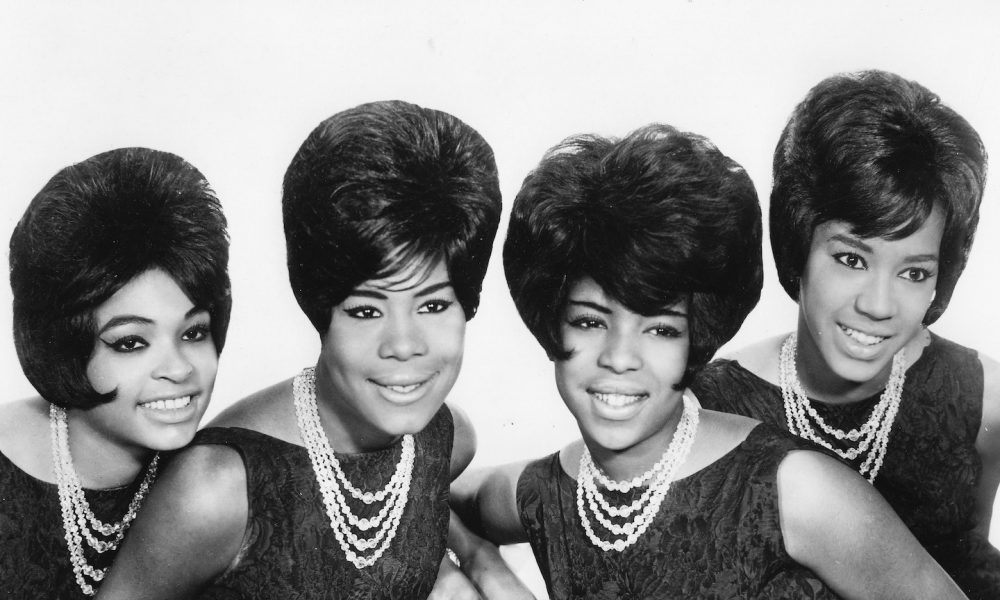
point(402, 338)
point(173, 365)
point(876, 298)
point(620, 353)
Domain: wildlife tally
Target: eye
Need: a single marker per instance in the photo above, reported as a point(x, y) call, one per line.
point(363, 312)
point(198, 333)
point(850, 260)
point(127, 344)
point(586, 322)
point(915, 274)
point(668, 331)
point(434, 306)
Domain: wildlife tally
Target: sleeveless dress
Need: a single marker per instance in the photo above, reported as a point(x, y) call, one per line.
point(34, 557)
point(717, 534)
point(931, 467)
point(289, 550)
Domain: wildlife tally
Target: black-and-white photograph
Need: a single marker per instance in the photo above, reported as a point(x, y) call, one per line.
point(459, 300)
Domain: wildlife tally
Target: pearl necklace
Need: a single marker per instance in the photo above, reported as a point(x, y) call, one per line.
point(646, 505)
point(871, 438)
point(332, 483)
point(79, 521)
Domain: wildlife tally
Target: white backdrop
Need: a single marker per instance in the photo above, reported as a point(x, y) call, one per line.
point(234, 87)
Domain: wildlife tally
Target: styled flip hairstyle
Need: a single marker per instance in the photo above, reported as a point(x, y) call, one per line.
point(658, 216)
point(379, 186)
point(94, 227)
point(878, 152)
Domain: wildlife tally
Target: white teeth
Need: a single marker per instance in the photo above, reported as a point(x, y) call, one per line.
point(170, 404)
point(403, 389)
point(618, 400)
point(862, 338)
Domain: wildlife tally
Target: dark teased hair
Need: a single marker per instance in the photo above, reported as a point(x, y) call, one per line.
point(378, 186)
point(658, 216)
point(878, 152)
point(94, 227)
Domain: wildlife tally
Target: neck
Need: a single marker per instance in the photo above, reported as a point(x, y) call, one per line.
point(100, 462)
point(626, 463)
point(347, 430)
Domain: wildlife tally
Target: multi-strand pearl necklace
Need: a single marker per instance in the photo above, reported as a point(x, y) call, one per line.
point(871, 438)
point(79, 521)
point(361, 551)
point(647, 505)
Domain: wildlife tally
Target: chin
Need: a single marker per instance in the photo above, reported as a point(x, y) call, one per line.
point(860, 372)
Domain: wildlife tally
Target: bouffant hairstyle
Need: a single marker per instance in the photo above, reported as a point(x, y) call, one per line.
point(379, 186)
point(94, 227)
point(878, 152)
point(658, 216)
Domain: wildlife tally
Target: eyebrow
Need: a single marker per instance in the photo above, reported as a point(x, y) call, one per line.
point(379, 295)
point(858, 244)
point(119, 320)
point(666, 312)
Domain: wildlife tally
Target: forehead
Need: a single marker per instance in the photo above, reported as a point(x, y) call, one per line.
point(927, 237)
point(588, 290)
point(152, 293)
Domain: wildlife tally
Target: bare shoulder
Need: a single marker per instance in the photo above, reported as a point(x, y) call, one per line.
point(718, 434)
point(991, 391)
point(24, 435)
point(190, 529)
point(463, 448)
point(761, 357)
point(270, 411)
point(207, 475)
point(569, 458)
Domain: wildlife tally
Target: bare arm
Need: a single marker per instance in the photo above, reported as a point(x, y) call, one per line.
point(836, 524)
point(463, 448)
point(988, 446)
point(189, 531)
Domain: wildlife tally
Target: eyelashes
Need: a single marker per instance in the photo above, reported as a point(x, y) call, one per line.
point(368, 311)
point(130, 343)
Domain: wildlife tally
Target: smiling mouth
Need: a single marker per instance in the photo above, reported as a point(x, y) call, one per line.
point(403, 388)
point(168, 403)
point(618, 400)
point(862, 338)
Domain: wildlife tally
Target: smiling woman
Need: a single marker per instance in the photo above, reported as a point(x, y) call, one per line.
point(121, 303)
point(877, 189)
point(631, 261)
point(335, 483)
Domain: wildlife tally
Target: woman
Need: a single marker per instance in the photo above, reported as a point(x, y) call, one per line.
point(121, 303)
point(335, 483)
point(631, 262)
point(876, 196)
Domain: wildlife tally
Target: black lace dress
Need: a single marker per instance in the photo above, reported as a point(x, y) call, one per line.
point(717, 534)
point(34, 557)
point(289, 550)
point(931, 466)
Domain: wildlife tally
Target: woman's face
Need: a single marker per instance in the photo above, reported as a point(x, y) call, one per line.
point(391, 355)
point(861, 301)
point(155, 349)
point(619, 380)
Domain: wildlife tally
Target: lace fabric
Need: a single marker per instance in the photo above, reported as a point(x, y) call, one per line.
point(931, 467)
point(717, 534)
point(289, 549)
point(34, 559)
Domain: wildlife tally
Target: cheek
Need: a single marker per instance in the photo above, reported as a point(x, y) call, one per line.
point(104, 372)
point(448, 340)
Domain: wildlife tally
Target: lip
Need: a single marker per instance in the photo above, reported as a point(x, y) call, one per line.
point(167, 409)
point(403, 390)
point(617, 402)
point(861, 344)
